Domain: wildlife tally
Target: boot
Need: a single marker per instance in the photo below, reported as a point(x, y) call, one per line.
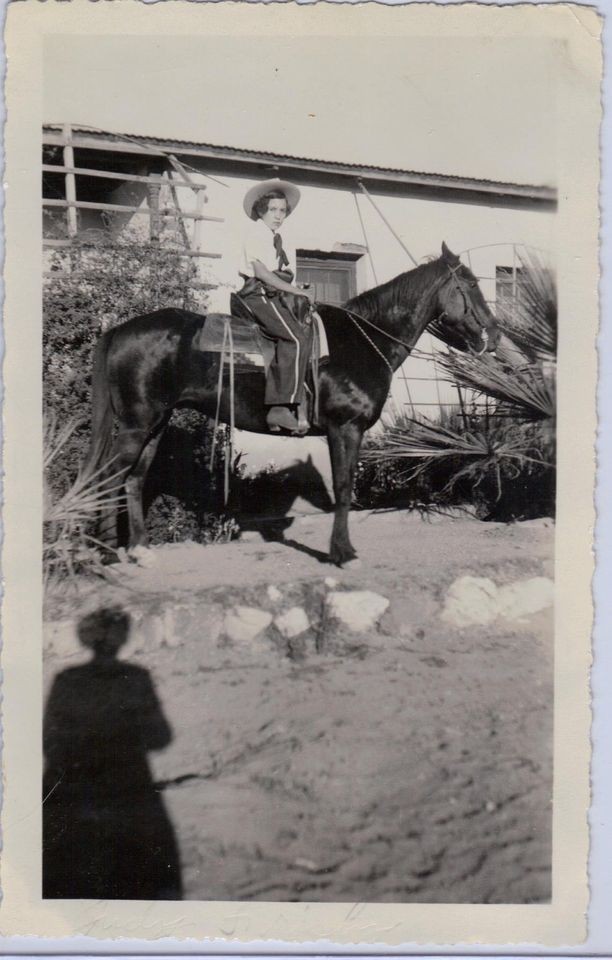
point(281, 418)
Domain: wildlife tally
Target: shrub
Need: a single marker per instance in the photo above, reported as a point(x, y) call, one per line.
point(504, 468)
point(98, 283)
point(391, 481)
point(184, 495)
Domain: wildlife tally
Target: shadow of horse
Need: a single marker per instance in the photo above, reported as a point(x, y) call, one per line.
point(106, 833)
point(263, 502)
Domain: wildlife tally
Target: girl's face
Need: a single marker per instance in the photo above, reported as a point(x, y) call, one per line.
point(275, 214)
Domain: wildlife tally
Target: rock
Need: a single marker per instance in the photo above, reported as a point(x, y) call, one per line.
point(477, 600)
point(306, 864)
point(245, 623)
point(292, 623)
point(525, 597)
point(471, 600)
point(274, 594)
point(171, 636)
point(155, 630)
point(143, 556)
point(331, 582)
point(359, 610)
point(202, 624)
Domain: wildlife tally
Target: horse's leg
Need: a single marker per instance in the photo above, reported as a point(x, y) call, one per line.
point(344, 443)
point(133, 489)
point(134, 484)
point(133, 453)
point(125, 452)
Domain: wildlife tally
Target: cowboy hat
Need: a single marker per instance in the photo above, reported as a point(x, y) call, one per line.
point(260, 189)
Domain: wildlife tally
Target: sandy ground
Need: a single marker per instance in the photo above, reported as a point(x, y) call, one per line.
point(410, 764)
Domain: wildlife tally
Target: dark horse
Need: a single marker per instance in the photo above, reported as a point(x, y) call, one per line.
point(149, 365)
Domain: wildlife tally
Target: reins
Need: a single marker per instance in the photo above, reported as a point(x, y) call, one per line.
point(403, 343)
point(358, 318)
point(228, 339)
point(355, 317)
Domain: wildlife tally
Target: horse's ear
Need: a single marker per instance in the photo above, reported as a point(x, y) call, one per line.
point(309, 460)
point(448, 255)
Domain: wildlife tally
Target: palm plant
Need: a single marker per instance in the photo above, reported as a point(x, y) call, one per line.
point(504, 450)
point(529, 319)
point(68, 545)
point(526, 390)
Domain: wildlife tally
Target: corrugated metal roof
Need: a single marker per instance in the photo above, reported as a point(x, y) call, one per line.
point(540, 192)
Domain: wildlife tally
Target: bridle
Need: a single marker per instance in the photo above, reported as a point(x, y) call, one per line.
point(468, 310)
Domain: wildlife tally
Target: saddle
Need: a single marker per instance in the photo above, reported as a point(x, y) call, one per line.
point(249, 349)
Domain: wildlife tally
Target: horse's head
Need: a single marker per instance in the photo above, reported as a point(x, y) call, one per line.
point(463, 319)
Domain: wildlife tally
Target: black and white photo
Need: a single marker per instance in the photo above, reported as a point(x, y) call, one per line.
point(316, 420)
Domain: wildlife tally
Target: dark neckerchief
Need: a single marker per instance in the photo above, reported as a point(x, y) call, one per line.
point(283, 259)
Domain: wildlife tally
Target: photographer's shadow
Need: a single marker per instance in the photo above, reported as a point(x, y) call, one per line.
point(106, 833)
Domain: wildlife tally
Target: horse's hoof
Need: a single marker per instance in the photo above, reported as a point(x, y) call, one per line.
point(353, 564)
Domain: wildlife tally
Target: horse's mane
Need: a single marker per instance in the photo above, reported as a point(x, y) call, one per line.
point(409, 286)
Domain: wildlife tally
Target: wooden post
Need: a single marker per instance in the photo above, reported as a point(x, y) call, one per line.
point(153, 191)
point(200, 200)
point(71, 212)
point(462, 407)
point(408, 393)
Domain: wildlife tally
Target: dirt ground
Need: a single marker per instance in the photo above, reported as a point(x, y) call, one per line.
point(409, 764)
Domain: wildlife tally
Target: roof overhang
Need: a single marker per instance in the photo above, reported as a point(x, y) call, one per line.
point(375, 176)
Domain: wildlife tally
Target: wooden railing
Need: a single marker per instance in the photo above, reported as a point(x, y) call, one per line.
point(69, 170)
point(111, 175)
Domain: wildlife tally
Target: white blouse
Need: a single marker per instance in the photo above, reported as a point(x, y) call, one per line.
point(258, 244)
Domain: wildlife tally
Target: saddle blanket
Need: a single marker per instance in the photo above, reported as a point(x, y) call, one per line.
point(249, 345)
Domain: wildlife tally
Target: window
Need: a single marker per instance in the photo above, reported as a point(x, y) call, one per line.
point(332, 275)
point(509, 282)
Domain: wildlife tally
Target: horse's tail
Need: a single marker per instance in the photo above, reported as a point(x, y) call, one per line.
point(101, 411)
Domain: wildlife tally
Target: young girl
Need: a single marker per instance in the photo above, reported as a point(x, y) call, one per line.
point(268, 269)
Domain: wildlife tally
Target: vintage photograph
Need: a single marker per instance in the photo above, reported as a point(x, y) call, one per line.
point(300, 333)
point(299, 393)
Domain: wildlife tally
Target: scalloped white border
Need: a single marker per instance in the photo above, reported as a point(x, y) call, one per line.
point(377, 925)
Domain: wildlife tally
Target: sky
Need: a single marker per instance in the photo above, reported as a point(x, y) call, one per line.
point(479, 107)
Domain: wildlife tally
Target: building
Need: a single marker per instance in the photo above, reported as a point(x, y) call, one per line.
point(354, 225)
